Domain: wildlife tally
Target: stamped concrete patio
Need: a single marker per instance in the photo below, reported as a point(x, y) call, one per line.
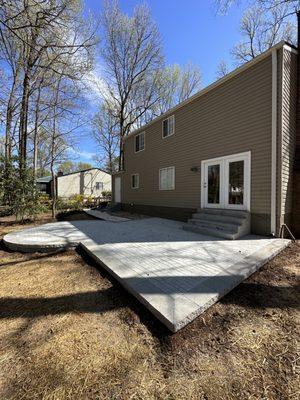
point(174, 273)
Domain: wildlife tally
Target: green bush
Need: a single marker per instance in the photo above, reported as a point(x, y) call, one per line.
point(45, 201)
point(73, 203)
point(77, 198)
point(26, 202)
point(18, 192)
point(106, 193)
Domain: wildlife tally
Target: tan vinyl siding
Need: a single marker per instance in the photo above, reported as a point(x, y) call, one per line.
point(232, 118)
point(288, 136)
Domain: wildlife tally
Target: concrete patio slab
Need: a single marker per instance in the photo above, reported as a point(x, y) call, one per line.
point(174, 273)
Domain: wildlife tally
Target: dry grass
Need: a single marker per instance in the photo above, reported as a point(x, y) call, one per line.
point(68, 332)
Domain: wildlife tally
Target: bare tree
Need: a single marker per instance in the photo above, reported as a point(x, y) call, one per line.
point(11, 56)
point(223, 6)
point(264, 23)
point(106, 134)
point(60, 106)
point(190, 81)
point(132, 55)
point(176, 84)
point(293, 5)
point(37, 106)
point(261, 29)
point(222, 69)
point(49, 34)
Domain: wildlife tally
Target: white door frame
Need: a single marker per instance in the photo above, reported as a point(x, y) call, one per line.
point(117, 189)
point(224, 177)
point(204, 178)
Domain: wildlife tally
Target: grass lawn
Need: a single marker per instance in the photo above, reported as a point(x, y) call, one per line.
point(68, 331)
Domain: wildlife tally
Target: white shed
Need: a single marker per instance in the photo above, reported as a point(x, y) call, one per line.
point(90, 182)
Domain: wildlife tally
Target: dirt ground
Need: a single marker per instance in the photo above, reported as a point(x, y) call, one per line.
point(68, 331)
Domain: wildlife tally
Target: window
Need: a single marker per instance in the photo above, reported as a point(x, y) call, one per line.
point(135, 181)
point(99, 185)
point(168, 126)
point(167, 178)
point(139, 142)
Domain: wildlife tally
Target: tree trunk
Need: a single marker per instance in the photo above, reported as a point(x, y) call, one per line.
point(121, 145)
point(35, 135)
point(110, 166)
point(24, 121)
point(9, 117)
point(54, 191)
point(54, 137)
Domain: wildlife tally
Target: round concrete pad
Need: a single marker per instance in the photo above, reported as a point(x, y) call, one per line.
point(48, 237)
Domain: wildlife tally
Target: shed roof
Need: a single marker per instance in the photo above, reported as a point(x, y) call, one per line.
point(83, 170)
point(44, 179)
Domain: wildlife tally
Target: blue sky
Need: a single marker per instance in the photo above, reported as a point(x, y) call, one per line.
point(191, 31)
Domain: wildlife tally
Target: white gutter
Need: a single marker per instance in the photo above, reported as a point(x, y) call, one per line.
point(274, 141)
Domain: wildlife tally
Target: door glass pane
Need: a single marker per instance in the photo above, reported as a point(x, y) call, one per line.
point(213, 190)
point(236, 182)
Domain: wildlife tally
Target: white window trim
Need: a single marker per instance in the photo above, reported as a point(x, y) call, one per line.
point(162, 126)
point(134, 142)
point(138, 181)
point(159, 184)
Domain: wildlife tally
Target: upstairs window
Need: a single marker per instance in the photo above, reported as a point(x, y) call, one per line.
point(139, 142)
point(168, 126)
point(135, 181)
point(167, 178)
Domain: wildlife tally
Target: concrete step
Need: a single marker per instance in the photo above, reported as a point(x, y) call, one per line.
point(228, 224)
point(225, 234)
point(225, 212)
point(218, 217)
point(220, 225)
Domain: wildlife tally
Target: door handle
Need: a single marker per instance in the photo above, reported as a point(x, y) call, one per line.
point(205, 185)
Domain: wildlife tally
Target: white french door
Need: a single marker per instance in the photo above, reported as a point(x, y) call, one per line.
point(225, 182)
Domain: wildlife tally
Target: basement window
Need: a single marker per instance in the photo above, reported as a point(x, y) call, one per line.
point(168, 126)
point(139, 142)
point(135, 181)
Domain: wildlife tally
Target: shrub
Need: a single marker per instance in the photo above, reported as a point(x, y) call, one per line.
point(45, 201)
point(18, 190)
point(106, 193)
point(77, 198)
point(75, 202)
point(89, 200)
point(8, 175)
point(26, 202)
